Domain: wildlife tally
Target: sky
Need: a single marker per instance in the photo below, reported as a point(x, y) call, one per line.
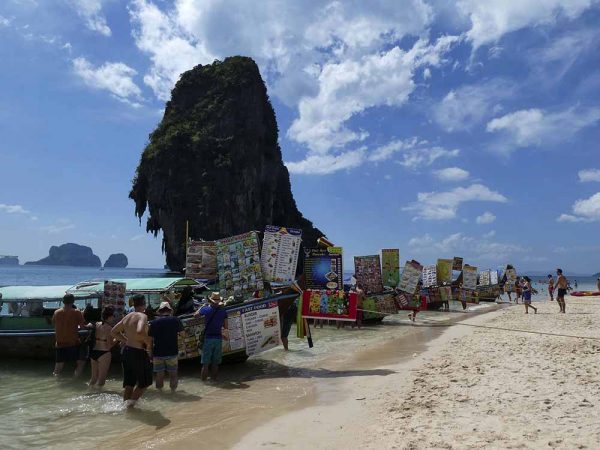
point(443, 128)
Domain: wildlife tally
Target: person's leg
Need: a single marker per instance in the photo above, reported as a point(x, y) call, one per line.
point(284, 342)
point(58, 368)
point(137, 393)
point(159, 378)
point(103, 368)
point(526, 308)
point(94, 377)
point(204, 372)
point(127, 391)
point(214, 371)
point(173, 380)
point(79, 366)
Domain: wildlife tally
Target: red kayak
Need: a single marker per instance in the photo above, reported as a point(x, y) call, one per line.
point(585, 293)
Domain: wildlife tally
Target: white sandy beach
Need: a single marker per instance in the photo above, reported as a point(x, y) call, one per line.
point(472, 388)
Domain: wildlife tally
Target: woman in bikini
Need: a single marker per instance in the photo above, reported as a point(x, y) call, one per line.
point(100, 354)
point(527, 291)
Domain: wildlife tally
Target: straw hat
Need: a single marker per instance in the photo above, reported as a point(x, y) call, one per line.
point(215, 297)
point(165, 306)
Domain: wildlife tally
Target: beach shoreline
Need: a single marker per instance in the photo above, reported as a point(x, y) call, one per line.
point(227, 418)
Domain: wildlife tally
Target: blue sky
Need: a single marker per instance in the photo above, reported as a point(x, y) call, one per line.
point(442, 128)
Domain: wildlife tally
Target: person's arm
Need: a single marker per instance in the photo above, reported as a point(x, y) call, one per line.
point(117, 332)
point(53, 318)
point(225, 324)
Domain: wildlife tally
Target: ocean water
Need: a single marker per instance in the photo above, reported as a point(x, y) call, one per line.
point(39, 411)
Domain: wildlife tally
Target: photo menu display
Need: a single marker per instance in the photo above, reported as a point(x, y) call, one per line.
point(323, 268)
point(280, 250)
point(238, 265)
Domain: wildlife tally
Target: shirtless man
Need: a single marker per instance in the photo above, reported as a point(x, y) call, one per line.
point(561, 286)
point(132, 331)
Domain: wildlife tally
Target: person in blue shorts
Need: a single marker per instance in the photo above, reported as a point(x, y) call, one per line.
point(215, 320)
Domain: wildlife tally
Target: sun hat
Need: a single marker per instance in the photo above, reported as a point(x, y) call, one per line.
point(165, 305)
point(215, 297)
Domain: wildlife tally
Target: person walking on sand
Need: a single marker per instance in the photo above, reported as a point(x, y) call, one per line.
point(132, 331)
point(215, 320)
point(100, 351)
point(551, 287)
point(598, 283)
point(360, 296)
point(165, 349)
point(527, 295)
point(67, 322)
point(561, 285)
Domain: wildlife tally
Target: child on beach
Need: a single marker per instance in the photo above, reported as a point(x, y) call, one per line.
point(527, 295)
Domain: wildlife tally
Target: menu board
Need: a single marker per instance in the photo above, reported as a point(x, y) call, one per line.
point(390, 261)
point(329, 304)
point(408, 301)
point(114, 295)
point(280, 250)
point(379, 306)
point(445, 293)
point(410, 277)
point(484, 278)
point(469, 277)
point(430, 275)
point(188, 340)
point(367, 271)
point(261, 327)
point(323, 268)
point(457, 263)
point(493, 277)
point(233, 336)
point(511, 279)
point(201, 260)
point(238, 265)
point(444, 271)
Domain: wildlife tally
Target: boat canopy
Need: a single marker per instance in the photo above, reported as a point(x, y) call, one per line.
point(45, 293)
point(137, 284)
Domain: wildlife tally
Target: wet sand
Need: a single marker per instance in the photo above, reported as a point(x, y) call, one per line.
point(242, 407)
point(474, 387)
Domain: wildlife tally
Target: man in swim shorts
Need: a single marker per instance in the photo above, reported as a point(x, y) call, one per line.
point(67, 321)
point(551, 287)
point(561, 285)
point(132, 331)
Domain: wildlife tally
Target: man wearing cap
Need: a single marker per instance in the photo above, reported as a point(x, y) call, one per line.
point(164, 331)
point(215, 319)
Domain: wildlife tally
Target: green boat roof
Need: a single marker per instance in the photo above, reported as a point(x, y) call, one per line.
point(136, 284)
point(55, 293)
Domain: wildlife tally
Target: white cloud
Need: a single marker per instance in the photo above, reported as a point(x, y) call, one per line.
point(451, 174)
point(584, 210)
point(534, 127)
point(326, 164)
point(91, 12)
point(469, 247)
point(463, 108)
point(116, 78)
point(586, 175)
point(485, 218)
point(492, 19)
point(4, 22)
point(426, 73)
point(60, 226)
point(13, 209)
point(490, 234)
point(444, 205)
point(137, 237)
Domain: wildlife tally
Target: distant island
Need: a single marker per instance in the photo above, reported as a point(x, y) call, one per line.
point(117, 260)
point(9, 260)
point(69, 255)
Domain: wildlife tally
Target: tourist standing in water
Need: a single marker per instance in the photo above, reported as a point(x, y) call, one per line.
point(67, 322)
point(165, 349)
point(132, 331)
point(100, 352)
point(287, 318)
point(561, 285)
point(527, 295)
point(551, 287)
point(215, 320)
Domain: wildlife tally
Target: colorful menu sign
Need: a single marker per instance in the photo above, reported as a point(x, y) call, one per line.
point(189, 339)
point(367, 271)
point(493, 277)
point(233, 337)
point(280, 250)
point(390, 261)
point(201, 260)
point(114, 295)
point(429, 275)
point(261, 327)
point(469, 277)
point(410, 277)
point(323, 268)
point(511, 279)
point(329, 304)
point(484, 278)
point(444, 271)
point(238, 265)
point(457, 263)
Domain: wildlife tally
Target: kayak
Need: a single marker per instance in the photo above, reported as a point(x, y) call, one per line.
point(585, 293)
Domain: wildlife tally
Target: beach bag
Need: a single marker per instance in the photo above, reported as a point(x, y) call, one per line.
point(203, 333)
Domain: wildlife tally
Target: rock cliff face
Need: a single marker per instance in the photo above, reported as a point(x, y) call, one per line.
point(118, 260)
point(9, 261)
point(69, 255)
point(215, 161)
